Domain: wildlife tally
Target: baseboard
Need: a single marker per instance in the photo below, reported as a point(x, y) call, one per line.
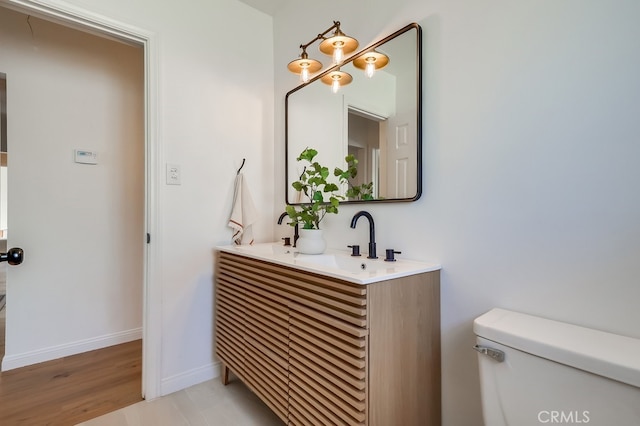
point(189, 378)
point(47, 354)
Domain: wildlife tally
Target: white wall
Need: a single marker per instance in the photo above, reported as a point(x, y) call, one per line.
point(531, 155)
point(215, 96)
point(81, 226)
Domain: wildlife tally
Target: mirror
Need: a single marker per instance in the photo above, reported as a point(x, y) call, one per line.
point(377, 119)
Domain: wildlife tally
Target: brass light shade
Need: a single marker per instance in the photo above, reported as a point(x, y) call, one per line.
point(296, 66)
point(339, 78)
point(338, 40)
point(377, 59)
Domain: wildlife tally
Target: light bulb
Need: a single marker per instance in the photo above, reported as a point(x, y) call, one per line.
point(338, 53)
point(335, 86)
point(304, 74)
point(370, 69)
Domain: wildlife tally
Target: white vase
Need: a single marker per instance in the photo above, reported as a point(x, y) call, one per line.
point(311, 241)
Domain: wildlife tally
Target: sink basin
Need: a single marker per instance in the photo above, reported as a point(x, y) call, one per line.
point(270, 249)
point(334, 263)
point(347, 263)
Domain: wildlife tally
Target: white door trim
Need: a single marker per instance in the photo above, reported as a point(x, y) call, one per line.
point(85, 20)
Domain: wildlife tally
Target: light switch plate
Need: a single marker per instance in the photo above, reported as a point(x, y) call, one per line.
point(173, 174)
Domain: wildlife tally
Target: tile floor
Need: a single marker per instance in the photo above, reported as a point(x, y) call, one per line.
point(207, 404)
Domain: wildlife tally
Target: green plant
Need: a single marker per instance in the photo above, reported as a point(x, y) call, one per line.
point(356, 192)
point(314, 185)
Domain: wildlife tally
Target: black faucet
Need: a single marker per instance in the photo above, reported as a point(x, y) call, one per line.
point(372, 232)
point(282, 216)
point(296, 233)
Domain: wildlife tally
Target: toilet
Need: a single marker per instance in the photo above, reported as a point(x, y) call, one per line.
point(536, 371)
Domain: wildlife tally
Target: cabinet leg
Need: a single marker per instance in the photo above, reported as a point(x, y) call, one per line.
point(224, 374)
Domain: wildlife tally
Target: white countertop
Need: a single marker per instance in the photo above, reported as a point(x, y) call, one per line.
point(334, 263)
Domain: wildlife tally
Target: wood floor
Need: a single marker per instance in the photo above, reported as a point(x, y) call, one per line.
point(73, 389)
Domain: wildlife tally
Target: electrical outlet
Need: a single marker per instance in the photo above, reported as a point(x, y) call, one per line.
point(173, 174)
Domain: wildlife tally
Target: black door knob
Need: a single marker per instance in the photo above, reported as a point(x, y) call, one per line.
point(14, 256)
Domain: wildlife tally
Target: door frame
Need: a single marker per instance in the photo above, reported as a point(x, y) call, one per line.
point(87, 21)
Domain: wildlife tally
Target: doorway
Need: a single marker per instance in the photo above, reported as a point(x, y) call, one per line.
point(3, 205)
point(366, 140)
point(81, 222)
point(3, 202)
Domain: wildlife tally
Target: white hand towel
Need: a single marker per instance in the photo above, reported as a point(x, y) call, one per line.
point(243, 213)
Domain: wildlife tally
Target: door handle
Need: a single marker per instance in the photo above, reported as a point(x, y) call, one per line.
point(14, 256)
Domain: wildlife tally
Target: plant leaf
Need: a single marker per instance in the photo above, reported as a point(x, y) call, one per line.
point(330, 187)
point(307, 154)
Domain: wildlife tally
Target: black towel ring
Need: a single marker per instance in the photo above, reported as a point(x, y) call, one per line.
point(241, 166)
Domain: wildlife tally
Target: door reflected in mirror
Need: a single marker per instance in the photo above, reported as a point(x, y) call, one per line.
point(376, 119)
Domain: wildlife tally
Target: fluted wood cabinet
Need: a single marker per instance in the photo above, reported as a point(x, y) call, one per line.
point(323, 351)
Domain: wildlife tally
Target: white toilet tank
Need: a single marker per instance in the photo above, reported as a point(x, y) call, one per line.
point(535, 371)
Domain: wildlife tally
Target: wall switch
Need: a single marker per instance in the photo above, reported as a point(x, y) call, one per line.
point(173, 174)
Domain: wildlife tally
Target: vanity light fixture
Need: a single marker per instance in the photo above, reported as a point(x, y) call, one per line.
point(337, 45)
point(370, 62)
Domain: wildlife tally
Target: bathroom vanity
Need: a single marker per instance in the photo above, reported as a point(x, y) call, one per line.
point(331, 339)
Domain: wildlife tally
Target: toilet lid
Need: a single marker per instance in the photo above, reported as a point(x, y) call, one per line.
point(606, 354)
